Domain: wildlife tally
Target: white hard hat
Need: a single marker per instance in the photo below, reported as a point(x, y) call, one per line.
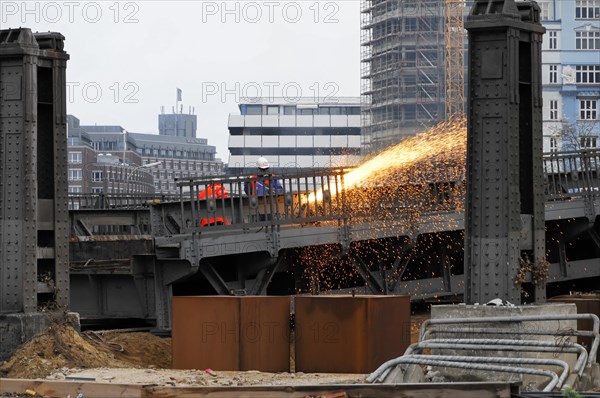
point(262, 163)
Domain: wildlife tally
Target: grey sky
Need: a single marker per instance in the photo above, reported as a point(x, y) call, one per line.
point(138, 52)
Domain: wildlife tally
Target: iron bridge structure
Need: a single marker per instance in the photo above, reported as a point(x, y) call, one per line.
point(130, 255)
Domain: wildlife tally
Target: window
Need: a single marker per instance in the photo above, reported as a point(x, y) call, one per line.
point(253, 109)
point(553, 39)
point(553, 74)
point(587, 40)
point(553, 144)
point(272, 110)
point(587, 9)
point(587, 142)
point(545, 10)
point(587, 74)
point(97, 190)
point(289, 110)
point(74, 157)
point(75, 175)
point(96, 176)
point(588, 109)
point(75, 189)
point(553, 109)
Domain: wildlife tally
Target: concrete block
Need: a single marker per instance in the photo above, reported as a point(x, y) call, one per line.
point(520, 333)
point(595, 373)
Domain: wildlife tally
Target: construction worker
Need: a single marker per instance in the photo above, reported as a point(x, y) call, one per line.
point(262, 183)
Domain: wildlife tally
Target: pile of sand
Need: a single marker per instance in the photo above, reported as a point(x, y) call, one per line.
point(60, 346)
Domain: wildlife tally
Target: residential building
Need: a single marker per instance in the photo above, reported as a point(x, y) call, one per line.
point(571, 74)
point(302, 134)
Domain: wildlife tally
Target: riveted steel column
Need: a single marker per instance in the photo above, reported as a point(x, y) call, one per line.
point(504, 220)
point(33, 171)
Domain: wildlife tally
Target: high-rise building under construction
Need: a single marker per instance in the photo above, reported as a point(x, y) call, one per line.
point(412, 67)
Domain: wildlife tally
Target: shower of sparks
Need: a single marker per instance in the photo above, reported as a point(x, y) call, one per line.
point(422, 175)
point(429, 150)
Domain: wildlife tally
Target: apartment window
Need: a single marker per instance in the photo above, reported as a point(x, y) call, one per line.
point(74, 157)
point(553, 74)
point(587, 74)
point(96, 176)
point(75, 175)
point(97, 190)
point(553, 144)
point(553, 39)
point(588, 109)
point(553, 109)
point(587, 40)
point(587, 142)
point(289, 110)
point(75, 189)
point(545, 10)
point(587, 9)
point(272, 110)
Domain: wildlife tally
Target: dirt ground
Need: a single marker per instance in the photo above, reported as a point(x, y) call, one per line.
point(60, 352)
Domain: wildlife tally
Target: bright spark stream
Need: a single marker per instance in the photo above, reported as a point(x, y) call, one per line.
point(429, 149)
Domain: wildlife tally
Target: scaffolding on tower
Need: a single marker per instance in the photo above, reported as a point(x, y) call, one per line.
point(406, 46)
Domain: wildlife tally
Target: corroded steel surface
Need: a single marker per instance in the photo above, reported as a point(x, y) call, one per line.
point(345, 334)
point(231, 333)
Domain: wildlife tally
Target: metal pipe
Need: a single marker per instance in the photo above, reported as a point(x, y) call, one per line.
point(580, 333)
point(525, 318)
point(465, 365)
point(506, 345)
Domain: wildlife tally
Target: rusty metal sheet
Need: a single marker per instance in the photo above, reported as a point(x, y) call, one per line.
point(265, 334)
point(345, 334)
point(586, 304)
point(231, 333)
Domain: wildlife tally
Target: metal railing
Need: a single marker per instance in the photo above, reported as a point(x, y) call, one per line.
point(320, 196)
point(572, 174)
point(96, 201)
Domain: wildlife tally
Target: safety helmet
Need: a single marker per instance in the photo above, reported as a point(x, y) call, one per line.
point(262, 163)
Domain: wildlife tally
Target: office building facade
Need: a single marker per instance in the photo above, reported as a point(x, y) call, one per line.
point(108, 159)
point(302, 134)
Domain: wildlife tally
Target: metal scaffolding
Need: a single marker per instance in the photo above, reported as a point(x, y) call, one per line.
point(404, 61)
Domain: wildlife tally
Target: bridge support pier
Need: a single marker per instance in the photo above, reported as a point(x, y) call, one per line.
point(34, 219)
point(504, 212)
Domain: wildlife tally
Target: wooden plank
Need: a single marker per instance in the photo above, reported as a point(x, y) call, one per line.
point(103, 390)
point(64, 388)
point(450, 390)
